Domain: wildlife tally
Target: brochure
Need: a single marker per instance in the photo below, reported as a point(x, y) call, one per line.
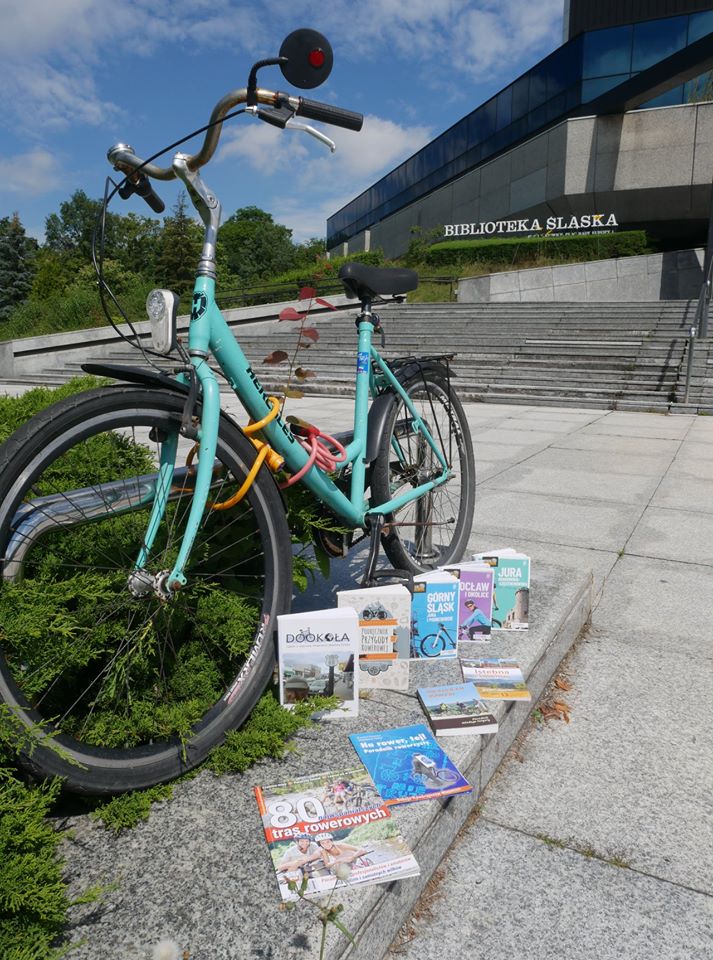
point(456, 709)
point(407, 764)
point(330, 831)
point(317, 652)
point(496, 679)
point(511, 587)
point(434, 616)
point(475, 600)
point(385, 618)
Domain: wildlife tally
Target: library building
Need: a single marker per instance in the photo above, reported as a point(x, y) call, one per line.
point(614, 129)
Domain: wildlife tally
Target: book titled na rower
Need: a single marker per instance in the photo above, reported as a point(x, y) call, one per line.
point(456, 708)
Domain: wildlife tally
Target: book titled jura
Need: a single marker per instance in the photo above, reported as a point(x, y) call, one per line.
point(330, 831)
point(475, 600)
point(511, 587)
point(407, 764)
point(496, 679)
point(455, 709)
point(384, 618)
point(434, 616)
point(317, 654)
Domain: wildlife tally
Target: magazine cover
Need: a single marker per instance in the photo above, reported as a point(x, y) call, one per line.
point(475, 601)
point(434, 616)
point(317, 652)
point(407, 764)
point(456, 709)
point(384, 618)
point(329, 831)
point(511, 588)
point(496, 679)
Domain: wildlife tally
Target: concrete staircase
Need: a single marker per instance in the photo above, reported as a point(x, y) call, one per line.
point(605, 355)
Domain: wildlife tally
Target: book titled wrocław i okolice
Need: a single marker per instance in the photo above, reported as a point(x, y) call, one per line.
point(330, 831)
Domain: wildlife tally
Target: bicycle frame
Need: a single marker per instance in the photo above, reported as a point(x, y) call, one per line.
point(209, 333)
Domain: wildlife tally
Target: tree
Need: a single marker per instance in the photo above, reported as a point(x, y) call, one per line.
point(70, 231)
point(17, 253)
point(178, 249)
point(254, 247)
point(307, 253)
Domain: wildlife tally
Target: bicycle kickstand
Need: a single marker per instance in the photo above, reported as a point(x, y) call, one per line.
point(371, 574)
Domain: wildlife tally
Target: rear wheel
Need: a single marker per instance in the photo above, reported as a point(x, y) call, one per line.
point(132, 687)
point(434, 529)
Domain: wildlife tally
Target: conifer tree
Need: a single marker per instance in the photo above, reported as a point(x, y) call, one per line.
point(16, 264)
point(178, 250)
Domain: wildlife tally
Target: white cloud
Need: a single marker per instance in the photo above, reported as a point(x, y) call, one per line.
point(29, 174)
point(264, 147)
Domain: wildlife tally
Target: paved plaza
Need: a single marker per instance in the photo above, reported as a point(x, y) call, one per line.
point(593, 840)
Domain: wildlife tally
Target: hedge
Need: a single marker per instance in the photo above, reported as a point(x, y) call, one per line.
point(513, 250)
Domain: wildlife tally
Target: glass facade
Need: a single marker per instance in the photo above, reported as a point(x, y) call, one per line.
point(573, 75)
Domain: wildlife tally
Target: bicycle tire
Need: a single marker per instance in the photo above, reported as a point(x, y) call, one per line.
point(190, 668)
point(432, 649)
point(433, 530)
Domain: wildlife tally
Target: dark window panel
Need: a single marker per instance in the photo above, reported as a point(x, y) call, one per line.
point(591, 89)
point(607, 52)
point(503, 108)
point(669, 99)
point(657, 39)
point(699, 25)
point(521, 97)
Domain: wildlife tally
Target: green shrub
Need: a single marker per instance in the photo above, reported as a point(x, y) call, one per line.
point(513, 250)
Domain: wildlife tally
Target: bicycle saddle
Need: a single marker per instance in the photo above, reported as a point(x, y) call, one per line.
point(367, 282)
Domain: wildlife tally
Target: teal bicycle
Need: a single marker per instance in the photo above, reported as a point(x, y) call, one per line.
point(143, 535)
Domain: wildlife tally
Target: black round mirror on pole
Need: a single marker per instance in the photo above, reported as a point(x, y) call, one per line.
point(309, 58)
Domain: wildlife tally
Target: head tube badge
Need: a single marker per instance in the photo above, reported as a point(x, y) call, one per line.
point(362, 361)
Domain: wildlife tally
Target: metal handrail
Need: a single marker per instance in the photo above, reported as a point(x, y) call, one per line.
point(699, 327)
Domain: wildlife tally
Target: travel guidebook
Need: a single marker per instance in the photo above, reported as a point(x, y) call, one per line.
point(456, 709)
point(434, 616)
point(385, 619)
point(407, 764)
point(511, 587)
point(496, 679)
point(330, 831)
point(317, 653)
point(475, 600)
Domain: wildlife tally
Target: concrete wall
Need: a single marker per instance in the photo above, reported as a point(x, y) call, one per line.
point(659, 276)
point(647, 167)
point(31, 355)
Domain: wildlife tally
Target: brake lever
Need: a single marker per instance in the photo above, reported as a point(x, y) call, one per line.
point(312, 131)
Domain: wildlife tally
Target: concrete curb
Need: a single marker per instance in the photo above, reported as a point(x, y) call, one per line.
point(385, 908)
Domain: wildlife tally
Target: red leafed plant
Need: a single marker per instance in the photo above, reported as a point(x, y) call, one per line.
point(306, 337)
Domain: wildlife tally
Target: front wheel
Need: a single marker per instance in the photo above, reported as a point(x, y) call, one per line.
point(432, 645)
point(434, 529)
point(133, 687)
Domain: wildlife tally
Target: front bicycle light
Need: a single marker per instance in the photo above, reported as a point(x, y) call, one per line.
point(162, 308)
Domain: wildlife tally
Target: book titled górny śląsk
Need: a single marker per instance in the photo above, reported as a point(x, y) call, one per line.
point(456, 708)
point(475, 600)
point(511, 587)
point(407, 764)
point(329, 831)
point(317, 655)
point(385, 622)
point(434, 616)
point(496, 679)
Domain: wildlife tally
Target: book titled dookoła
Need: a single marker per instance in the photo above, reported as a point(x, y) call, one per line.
point(317, 653)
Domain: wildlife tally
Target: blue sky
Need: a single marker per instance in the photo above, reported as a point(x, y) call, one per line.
point(79, 75)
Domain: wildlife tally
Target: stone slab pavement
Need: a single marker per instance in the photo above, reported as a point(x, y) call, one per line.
point(593, 840)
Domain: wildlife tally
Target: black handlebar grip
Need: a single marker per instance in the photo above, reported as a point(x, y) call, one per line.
point(144, 189)
point(326, 113)
point(147, 192)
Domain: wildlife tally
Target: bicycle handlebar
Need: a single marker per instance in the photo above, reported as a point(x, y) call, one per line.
point(325, 112)
point(123, 157)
